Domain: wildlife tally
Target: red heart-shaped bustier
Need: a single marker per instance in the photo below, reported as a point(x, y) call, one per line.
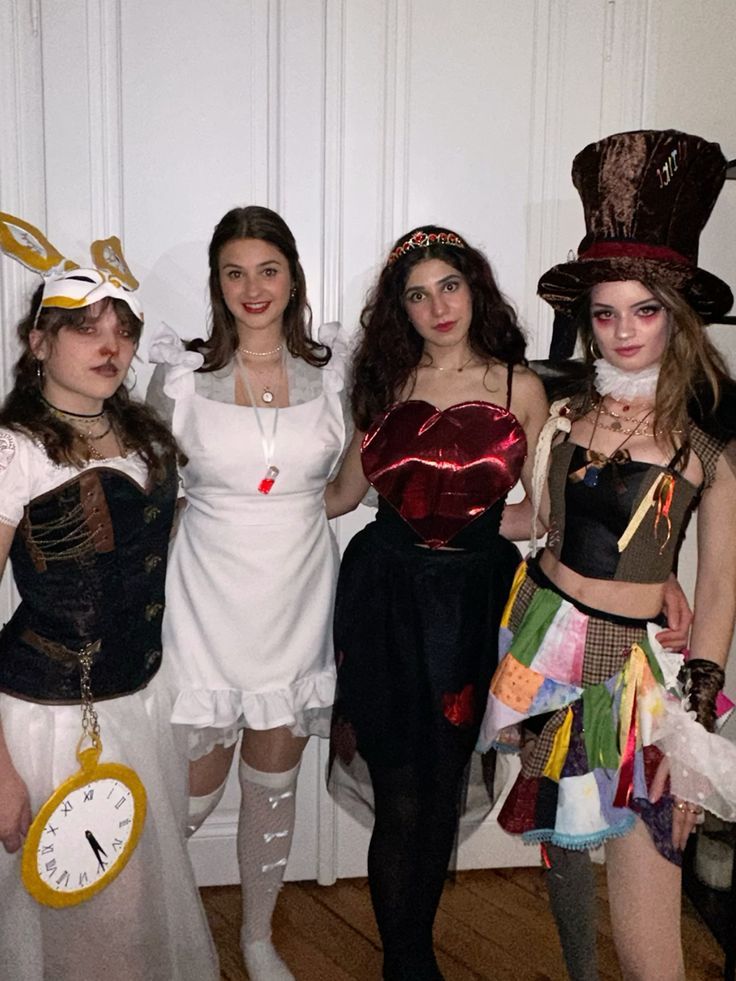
point(442, 468)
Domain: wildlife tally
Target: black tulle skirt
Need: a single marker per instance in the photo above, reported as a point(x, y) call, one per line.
point(416, 642)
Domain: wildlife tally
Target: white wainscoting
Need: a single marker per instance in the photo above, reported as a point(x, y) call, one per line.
point(356, 119)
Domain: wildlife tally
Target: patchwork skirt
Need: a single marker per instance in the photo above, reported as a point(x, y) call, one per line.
point(601, 698)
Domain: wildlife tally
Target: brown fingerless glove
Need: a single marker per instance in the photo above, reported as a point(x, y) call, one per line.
point(701, 682)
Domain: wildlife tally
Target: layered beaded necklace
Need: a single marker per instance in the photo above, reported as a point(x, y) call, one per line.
point(624, 387)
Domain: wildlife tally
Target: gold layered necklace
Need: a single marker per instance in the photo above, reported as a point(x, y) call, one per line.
point(595, 461)
point(620, 421)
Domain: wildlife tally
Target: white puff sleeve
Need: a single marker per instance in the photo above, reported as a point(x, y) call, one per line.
point(176, 379)
point(15, 476)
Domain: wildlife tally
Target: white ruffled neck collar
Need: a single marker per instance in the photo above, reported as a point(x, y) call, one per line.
point(627, 386)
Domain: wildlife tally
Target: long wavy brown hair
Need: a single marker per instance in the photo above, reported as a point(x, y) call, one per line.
point(220, 347)
point(24, 409)
point(692, 371)
point(390, 348)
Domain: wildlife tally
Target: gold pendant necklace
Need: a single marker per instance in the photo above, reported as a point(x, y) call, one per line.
point(267, 388)
point(595, 461)
point(437, 367)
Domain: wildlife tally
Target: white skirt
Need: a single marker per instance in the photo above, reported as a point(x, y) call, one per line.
point(148, 924)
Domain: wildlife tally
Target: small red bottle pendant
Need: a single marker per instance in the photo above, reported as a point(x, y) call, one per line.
point(269, 480)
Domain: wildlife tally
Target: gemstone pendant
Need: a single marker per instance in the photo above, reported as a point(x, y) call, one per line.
point(591, 476)
point(267, 396)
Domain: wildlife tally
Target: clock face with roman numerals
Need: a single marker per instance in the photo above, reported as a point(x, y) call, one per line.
point(84, 834)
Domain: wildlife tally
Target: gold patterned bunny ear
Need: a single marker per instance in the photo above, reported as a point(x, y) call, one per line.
point(25, 243)
point(107, 255)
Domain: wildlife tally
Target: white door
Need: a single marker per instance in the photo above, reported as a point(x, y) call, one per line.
point(356, 119)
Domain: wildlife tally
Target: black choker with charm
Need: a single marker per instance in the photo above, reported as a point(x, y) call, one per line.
point(83, 424)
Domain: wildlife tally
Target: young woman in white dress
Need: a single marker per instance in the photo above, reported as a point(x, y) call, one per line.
point(257, 410)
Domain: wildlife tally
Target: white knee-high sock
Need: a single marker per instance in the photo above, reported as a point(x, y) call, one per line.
point(265, 831)
point(201, 807)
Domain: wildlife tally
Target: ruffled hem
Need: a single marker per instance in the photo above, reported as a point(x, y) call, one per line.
point(579, 843)
point(216, 716)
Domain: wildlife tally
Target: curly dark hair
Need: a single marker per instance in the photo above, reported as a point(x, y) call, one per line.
point(390, 348)
point(259, 223)
point(24, 410)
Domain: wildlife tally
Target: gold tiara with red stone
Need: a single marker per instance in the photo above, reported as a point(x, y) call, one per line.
point(65, 283)
point(422, 240)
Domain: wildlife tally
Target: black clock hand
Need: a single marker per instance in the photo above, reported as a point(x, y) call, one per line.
point(96, 848)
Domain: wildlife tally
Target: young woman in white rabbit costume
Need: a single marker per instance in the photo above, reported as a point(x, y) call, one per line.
point(94, 876)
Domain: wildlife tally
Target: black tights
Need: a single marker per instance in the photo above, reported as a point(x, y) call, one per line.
point(413, 837)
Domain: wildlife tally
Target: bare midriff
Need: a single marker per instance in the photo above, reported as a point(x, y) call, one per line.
point(639, 601)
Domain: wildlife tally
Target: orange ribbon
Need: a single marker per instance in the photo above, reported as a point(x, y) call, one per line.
point(663, 500)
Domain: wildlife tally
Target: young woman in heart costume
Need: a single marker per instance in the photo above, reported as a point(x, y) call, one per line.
point(446, 411)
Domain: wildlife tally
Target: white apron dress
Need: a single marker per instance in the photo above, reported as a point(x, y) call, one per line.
point(251, 576)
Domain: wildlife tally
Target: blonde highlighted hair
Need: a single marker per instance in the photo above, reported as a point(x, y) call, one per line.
point(691, 368)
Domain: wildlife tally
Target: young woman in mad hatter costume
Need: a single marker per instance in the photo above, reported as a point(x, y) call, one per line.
point(611, 754)
point(87, 492)
point(257, 407)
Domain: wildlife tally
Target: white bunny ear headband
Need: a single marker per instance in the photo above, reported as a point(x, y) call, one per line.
point(66, 284)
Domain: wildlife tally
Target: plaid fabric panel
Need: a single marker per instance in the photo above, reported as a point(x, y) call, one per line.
point(533, 763)
point(607, 645)
point(708, 450)
point(523, 598)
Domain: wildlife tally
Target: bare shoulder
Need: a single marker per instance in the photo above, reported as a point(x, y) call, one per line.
point(528, 395)
point(528, 381)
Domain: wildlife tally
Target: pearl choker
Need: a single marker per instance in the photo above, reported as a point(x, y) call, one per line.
point(260, 354)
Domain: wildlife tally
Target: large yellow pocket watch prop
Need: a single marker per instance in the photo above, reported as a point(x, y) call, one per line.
point(87, 830)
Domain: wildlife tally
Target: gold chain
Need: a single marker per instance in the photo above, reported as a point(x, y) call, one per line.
point(90, 721)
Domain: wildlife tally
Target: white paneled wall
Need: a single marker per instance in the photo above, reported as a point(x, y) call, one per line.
point(356, 119)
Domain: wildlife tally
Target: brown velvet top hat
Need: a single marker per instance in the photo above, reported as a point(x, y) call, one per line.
point(646, 196)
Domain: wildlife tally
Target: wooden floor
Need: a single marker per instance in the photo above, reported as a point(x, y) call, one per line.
point(491, 924)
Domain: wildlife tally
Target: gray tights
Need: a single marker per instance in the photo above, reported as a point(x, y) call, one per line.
point(570, 882)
